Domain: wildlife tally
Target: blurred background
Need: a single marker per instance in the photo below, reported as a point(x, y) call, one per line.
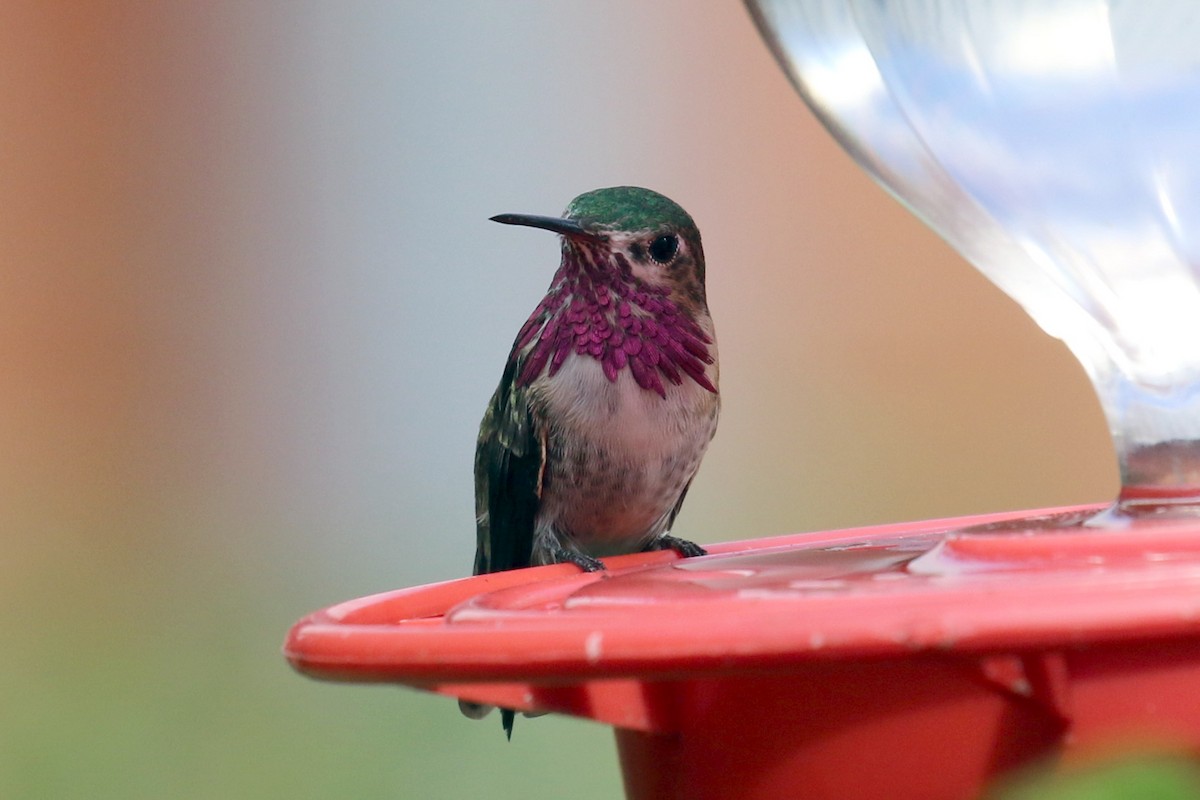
point(251, 309)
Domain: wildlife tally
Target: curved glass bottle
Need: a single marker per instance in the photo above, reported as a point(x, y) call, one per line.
point(1056, 145)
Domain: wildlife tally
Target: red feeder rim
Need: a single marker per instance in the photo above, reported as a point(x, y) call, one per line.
point(969, 585)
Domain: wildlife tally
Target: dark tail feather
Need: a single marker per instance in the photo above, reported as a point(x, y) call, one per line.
point(507, 715)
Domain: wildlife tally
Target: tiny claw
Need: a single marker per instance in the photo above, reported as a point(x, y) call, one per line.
point(682, 546)
point(585, 563)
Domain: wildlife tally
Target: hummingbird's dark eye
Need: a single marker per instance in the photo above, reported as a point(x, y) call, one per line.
point(664, 248)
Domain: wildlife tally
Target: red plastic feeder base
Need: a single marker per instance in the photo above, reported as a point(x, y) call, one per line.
point(918, 660)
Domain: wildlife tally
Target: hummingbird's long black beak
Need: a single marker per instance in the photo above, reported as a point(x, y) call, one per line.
point(567, 227)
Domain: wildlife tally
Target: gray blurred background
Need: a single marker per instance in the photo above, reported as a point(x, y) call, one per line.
point(251, 309)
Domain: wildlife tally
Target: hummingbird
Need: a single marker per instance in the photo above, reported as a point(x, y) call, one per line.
point(608, 399)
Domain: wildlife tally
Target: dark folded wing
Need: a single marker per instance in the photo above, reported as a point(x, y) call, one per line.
point(508, 468)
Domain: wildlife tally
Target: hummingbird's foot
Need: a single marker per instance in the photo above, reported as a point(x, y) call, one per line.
point(585, 563)
point(682, 546)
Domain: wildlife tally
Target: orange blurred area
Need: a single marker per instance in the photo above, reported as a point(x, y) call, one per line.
point(251, 309)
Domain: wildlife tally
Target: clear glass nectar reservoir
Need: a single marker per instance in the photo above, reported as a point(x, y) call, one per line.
point(1056, 144)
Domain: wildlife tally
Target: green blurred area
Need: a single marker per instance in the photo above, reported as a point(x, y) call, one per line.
point(164, 678)
point(1132, 777)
